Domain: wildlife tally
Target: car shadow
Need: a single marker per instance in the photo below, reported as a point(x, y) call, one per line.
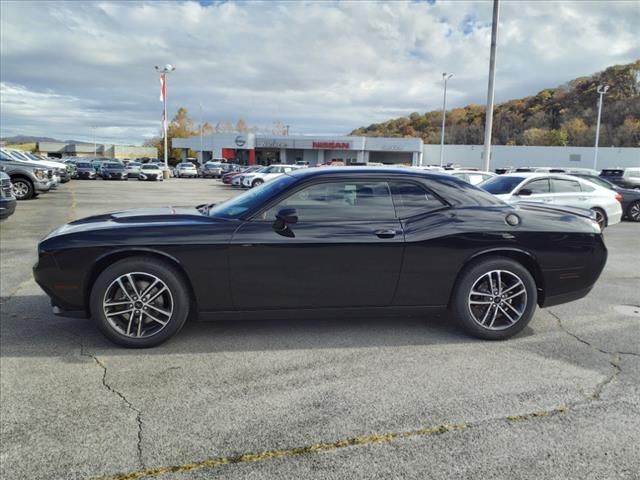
point(28, 328)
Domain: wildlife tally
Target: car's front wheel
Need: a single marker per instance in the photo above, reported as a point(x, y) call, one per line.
point(494, 298)
point(257, 182)
point(139, 302)
point(22, 188)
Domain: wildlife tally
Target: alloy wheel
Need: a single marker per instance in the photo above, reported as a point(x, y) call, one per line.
point(20, 189)
point(634, 211)
point(138, 304)
point(600, 218)
point(497, 300)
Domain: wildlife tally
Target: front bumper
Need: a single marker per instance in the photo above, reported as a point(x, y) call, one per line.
point(115, 176)
point(7, 207)
point(86, 175)
point(42, 185)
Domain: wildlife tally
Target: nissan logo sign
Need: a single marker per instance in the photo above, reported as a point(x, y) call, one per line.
point(240, 141)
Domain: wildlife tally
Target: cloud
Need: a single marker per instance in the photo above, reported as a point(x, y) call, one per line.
point(318, 66)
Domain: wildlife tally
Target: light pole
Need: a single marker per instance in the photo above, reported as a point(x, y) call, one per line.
point(201, 128)
point(287, 127)
point(488, 123)
point(602, 90)
point(445, 77)
point(95, 147)
point(168, 68)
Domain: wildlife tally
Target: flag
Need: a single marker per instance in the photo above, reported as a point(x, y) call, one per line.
point(163, 88)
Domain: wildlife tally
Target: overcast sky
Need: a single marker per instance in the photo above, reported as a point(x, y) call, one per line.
point(323, 67)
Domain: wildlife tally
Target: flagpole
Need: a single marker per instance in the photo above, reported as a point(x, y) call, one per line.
point(168, 68)
point(164, 122)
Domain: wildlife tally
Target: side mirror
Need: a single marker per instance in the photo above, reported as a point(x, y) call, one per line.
point(284, 217)
point(524, 192)
point(287, 215)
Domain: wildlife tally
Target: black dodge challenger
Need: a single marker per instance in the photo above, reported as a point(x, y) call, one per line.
point(323, 241)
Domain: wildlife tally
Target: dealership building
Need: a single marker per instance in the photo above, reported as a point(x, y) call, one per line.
point(250, 149)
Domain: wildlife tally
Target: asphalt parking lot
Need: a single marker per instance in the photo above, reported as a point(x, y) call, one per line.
point(331, 399)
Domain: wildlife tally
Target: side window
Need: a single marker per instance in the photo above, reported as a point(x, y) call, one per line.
point(411, 199)
point(561, 185)
point(339, 201)
point(538, 186)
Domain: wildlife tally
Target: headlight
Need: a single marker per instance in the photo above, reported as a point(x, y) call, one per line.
point(40, 174)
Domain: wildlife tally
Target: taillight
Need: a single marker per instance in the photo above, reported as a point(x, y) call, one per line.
point(619, 197)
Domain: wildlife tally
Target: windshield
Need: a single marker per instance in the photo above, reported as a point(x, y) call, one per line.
point(237, 206)
point(150, 167)
point(500, 185)
point(112, 165)
point(84, 165)
point(133, 164)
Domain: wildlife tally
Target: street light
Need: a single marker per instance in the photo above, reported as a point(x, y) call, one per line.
point(201, 128)
point(445, 77)
point(602, 90)
point(168, 68)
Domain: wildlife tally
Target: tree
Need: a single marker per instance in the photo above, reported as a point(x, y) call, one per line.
point(181, 126)
point(577, 132)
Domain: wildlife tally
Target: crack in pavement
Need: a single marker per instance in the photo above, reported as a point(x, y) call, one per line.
point(126, 401)
point(613, 359)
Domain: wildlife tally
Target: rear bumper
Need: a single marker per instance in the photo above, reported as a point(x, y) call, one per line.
point(565, 297)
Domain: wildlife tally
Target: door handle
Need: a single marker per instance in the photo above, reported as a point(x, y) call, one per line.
point(386, 233)
point(583, 198)
point(547, 200)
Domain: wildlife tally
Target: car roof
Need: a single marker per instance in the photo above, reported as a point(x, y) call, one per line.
point(451, 172)
point(355, 171)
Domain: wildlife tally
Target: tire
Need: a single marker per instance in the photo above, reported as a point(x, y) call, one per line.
point(22, 188)
point(257, 183)
point(486, 321)
point(601, 217)
point(171, 306)
point(633, 211)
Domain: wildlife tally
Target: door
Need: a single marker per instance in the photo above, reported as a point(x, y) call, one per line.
point(568, 192)
point(345, 250)
point(540, 191)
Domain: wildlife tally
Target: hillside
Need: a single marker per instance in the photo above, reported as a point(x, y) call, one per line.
point(565, 115)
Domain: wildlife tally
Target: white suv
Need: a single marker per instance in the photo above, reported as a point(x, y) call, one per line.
point(254, 179)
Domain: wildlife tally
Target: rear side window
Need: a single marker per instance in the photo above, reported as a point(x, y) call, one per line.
point(561, 185)
point(411, 199)
point(339, 201)
point(538, 186)
point(632, 173)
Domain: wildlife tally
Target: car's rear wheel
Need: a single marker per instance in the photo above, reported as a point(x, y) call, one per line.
point(494, 298)
point(22, 188)
point(601, 217)
point(139, 302)
point(633, 211)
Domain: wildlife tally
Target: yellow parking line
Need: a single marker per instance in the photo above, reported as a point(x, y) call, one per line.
point(291, 452)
